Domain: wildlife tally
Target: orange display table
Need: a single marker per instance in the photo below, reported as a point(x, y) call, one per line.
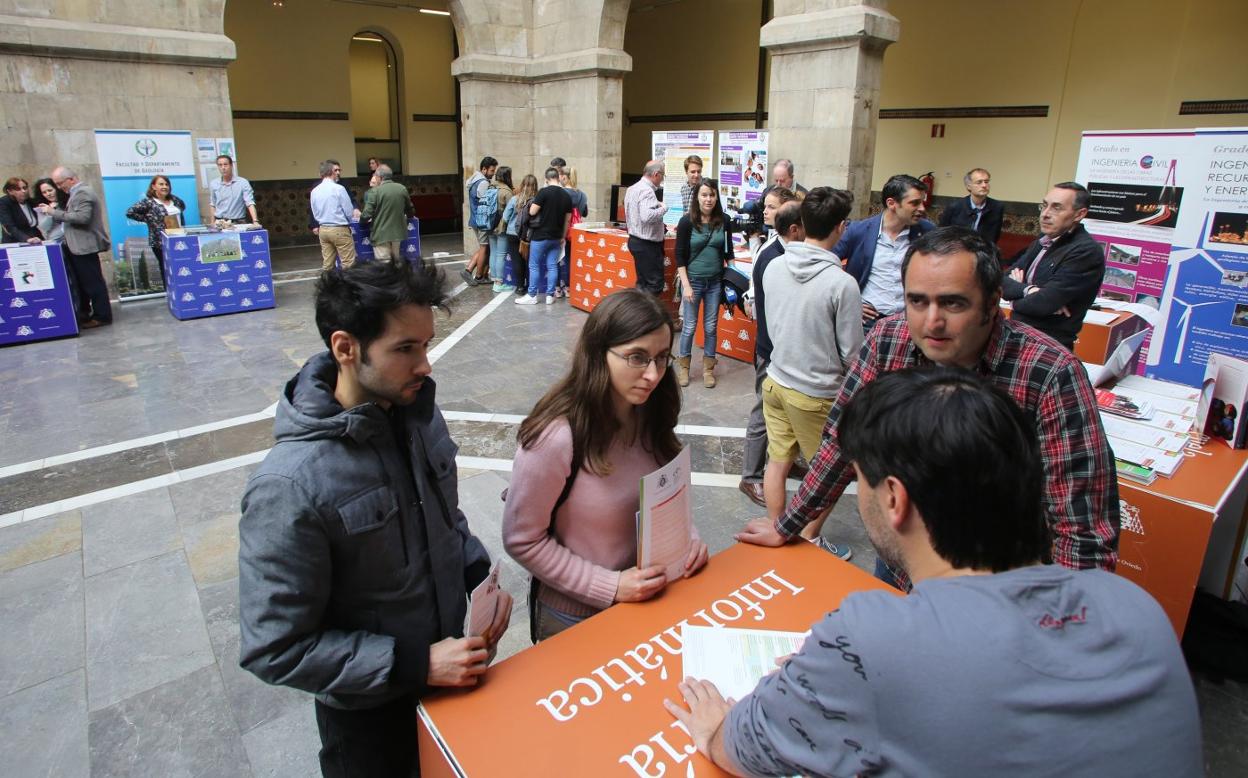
point(589, 700)
point(602, 264)
point(1184, 530)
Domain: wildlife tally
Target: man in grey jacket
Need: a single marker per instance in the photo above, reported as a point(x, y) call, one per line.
point(354, 557)
point(813, 311)
point(85, 238)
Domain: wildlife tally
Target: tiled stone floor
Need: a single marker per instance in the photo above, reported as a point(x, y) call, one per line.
point(119, 617)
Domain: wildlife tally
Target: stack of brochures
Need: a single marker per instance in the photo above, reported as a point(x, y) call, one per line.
point(1149, 425)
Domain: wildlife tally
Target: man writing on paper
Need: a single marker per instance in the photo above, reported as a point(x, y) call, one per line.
point(952, 281)
point(354, 557)
point(996, 664)
point(1055, 280)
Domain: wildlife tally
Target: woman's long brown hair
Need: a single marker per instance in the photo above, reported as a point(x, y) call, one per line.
point(583, 396)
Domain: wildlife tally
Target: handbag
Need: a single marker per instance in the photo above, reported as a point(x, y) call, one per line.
point(524, 248)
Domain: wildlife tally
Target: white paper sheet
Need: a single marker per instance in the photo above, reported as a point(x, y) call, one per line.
point(1163, 388)
point(1145, 312)
point(484, 603)
point(1099, 317)
point(1163, 462)
point(735, 660)
point(30, 269)
point(1144, 434)
point(665, 522)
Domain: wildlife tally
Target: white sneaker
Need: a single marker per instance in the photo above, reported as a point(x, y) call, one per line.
point(528, 299)
point(550, 299)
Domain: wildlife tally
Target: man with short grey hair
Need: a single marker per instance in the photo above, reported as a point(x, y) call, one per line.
point(333, 212)
point(643, 216)
point(387, 207)
point(85, 238)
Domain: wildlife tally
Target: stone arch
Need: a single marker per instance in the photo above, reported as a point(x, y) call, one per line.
point(399, 76)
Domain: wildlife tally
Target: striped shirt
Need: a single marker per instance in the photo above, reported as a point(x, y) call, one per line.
point(1047, 381)
point(643, 213)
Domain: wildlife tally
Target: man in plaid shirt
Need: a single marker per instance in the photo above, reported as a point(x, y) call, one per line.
point(952, 280)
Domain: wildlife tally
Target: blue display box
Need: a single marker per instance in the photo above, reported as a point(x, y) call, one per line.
point(36, 304)
point(215, 273)
point(410, 246)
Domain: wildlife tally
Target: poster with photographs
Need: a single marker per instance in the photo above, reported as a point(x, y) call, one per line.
point(1205, 300)
point(672, 149)
point(1136, 186)
point(743, 167)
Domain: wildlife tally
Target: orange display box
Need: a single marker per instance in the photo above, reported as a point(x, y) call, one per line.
point(1097, 341)
point(602, 264)
point(589, 700)
point(1182, 531)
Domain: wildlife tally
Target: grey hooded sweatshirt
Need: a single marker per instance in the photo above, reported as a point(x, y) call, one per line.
point(353, 554)
point(814, 318)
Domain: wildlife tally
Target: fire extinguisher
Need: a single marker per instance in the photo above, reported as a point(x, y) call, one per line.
point(929, 181)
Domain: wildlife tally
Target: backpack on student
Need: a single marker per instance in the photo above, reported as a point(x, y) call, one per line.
point(485, 212)
point(578, 461)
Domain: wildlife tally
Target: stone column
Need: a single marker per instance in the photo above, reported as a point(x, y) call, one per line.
point(496, 109)
point(826, 58)
point(525, 111)
point(578, 102)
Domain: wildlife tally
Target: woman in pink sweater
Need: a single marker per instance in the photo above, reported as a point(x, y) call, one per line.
point(610, 421)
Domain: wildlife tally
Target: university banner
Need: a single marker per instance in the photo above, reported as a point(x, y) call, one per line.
point(128, 160)
point(1205, 300)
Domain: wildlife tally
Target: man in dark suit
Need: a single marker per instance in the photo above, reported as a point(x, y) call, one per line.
point(977, 211)
point(85, 238)
point(1054, 281)
point(874, 248)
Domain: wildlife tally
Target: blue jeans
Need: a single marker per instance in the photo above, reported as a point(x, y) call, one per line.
point(498, 253)
point(543, 265)
point(565, 264)
point(706, 291)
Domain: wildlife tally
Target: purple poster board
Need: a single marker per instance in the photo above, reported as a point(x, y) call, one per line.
point(216, 273)
point(410, 246)
point(30, 314)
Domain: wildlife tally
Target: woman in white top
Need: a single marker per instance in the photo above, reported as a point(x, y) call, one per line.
point(161, 208)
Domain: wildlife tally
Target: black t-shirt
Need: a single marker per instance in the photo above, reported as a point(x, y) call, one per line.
point(556, 205)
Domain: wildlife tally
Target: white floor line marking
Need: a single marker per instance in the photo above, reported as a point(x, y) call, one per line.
point(126, 490)
point(512, 418)
point(462, 330)
point(701, 429)
point(721, 480)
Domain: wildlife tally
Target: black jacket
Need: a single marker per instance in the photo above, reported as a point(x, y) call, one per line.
point(959, 214)
point(354, 556)
point(1069, 275)
point(13, 223)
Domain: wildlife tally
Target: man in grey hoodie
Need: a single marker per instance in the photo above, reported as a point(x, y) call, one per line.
point(354, 558)
point(813, 311)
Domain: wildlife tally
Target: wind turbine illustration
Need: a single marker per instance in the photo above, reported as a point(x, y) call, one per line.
point(1184, 322)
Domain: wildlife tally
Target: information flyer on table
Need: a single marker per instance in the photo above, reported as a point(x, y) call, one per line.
point(672, 149)
point(1205, 300)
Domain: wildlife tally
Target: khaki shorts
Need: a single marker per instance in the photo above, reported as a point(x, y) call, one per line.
point(794, 421)
point(483, 235)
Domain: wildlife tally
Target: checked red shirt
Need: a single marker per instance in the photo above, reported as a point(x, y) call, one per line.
point(1047, 381)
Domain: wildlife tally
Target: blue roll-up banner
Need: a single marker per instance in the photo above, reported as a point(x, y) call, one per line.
point(128, 160)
